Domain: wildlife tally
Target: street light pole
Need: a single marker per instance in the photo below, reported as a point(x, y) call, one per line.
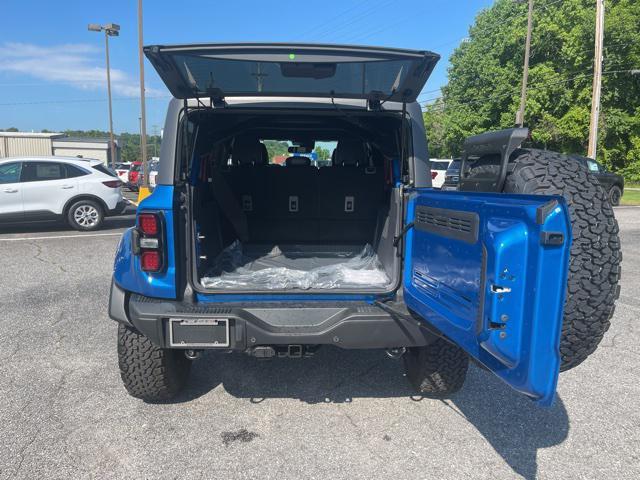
point(143, 115)
point(525, 72)
point(111, 142)
point(110, 30)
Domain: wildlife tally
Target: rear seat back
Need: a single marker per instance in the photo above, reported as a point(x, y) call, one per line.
point(299, 203)
point(293, 202)
point(248, 186)
point(351, 194)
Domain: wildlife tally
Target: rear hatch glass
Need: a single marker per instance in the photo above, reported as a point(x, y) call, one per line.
point(195, 71)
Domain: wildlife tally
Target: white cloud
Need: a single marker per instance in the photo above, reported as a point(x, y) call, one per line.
point(77, 65)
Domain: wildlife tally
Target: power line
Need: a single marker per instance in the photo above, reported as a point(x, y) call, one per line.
point(535, 87)
point(321, 25)
point(605, 62)
point(333, 29)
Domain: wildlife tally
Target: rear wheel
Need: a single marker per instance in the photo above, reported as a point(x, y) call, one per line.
point(615, 194)
point(437, 370)
point(594, 268)
point(85, 215)
point(148, 372)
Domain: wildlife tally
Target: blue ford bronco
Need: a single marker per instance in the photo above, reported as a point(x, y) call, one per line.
point(242, 250)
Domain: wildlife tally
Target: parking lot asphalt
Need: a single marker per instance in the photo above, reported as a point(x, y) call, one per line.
point(340, 414)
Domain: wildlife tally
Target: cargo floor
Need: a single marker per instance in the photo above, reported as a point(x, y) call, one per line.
point(302, 267)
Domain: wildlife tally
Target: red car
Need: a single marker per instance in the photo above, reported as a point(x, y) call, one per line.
point(134, 176)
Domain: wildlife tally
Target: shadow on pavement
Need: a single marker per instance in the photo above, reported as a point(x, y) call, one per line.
point(514, 426)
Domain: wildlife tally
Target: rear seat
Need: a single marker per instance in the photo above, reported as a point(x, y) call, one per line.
point(246, 180)
point(351, 192)
point(292, 202)
point(303, 204)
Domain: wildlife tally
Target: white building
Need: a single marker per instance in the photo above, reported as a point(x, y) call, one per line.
point(97, 148)
point(25, 144)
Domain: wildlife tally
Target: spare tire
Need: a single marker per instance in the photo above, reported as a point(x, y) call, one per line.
point(594, 266)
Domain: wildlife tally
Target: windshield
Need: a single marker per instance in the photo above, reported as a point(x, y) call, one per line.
point(455, 166)
point(439, 165)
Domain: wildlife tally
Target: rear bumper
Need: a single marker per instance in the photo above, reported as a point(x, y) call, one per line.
point(119, 208)
point(349, 325)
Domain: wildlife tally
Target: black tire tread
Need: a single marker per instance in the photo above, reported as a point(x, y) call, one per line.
point(149, 372)
point(437, 370)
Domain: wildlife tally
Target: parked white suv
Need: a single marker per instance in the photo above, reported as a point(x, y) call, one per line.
point(80, 191)
point(438, 171)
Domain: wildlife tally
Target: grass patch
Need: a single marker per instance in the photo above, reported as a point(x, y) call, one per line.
point(630, 197)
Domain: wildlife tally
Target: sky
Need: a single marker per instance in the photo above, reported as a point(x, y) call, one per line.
point(52, 69)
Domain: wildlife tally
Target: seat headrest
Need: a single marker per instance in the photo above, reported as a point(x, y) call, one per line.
point(247, 150)
point(349, 152)
point(297, 162)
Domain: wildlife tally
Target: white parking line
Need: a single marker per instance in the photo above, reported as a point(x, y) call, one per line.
point(18, 239)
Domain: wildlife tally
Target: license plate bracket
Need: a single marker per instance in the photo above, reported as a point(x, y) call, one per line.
point(199, 332)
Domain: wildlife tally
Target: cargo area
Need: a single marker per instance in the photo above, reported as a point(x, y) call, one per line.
point(295, 222)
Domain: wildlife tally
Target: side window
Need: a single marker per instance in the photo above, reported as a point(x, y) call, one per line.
point(73, 171)
point(10, 172)
point(593, 166)
point(42, 171)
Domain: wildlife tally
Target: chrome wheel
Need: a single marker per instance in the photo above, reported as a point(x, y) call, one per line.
point(86, 216)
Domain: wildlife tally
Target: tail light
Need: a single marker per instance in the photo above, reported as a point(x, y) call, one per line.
point(148, 223)
point(148, 241)
point(151, 261)
point(433, 175)
point(112, 183)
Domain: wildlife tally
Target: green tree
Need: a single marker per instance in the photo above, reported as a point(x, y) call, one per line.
point(483, 90)
point(323, 153)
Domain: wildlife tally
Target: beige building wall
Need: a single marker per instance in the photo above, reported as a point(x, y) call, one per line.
point(25, 146)
point(85, 153)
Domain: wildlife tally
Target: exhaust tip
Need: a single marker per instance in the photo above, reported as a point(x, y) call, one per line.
point(395, 353)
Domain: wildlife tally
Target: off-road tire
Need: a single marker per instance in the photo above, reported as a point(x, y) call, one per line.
point(615, 194)
point(93, 223)
point(148, 372)
point(594, 268)
point(437, 370)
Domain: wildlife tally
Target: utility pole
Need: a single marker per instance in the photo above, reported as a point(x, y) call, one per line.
point(525, 71)
point(597, 81)
point(110, 30)
point(143, 116)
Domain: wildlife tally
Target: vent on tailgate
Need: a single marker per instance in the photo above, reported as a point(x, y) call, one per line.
point(456, 224)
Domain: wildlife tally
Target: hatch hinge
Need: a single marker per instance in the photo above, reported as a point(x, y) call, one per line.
point(374, 104)
point(216, 98)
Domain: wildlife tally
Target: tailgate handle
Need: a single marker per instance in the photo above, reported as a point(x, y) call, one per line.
point(553, 239)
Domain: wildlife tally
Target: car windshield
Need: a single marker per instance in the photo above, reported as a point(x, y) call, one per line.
point(435, 165)
point(454, 167)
